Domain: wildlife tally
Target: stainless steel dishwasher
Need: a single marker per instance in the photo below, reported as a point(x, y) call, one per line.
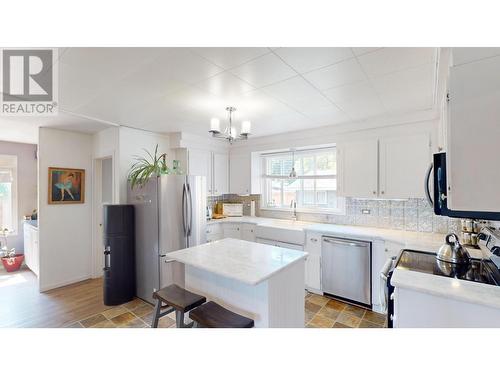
point(346, 269)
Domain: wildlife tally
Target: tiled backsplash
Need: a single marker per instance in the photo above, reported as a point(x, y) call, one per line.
point(412, 214)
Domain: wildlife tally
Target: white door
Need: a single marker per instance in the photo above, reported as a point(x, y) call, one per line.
point(104, 190)
point(358, 168)
point(403, 163)
point(239, 174)
point(220, 173)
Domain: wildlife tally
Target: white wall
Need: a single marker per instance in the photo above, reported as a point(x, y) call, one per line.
point(65, 230)
point(132, 142)
point(26, 185)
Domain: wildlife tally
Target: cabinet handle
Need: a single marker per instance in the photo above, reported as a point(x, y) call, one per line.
point(386, 250)
point(251, 230)
point(382, 192)
point(314, 240)
point(237, 228)
point(374, 192)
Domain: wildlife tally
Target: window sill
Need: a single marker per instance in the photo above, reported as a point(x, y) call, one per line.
point(324, 211)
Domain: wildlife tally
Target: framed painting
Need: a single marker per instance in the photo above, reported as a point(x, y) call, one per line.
point(66, 185)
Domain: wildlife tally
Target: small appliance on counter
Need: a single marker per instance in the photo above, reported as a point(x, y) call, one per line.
point(232, 209)
point(119, 254)
point(484, 271)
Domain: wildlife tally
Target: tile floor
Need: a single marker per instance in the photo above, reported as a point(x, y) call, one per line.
point(133, 314)
point(320, 312)
point(323, 312)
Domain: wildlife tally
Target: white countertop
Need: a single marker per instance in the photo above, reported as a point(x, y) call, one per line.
point(447, 287)
point(248, 262)
point(408, 239)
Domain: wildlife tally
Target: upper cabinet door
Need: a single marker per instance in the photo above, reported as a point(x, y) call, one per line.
point(404, 161)
point(239, 174)
point(220, 173)
point(473, 171)
point(358, 168)
point(200, 164)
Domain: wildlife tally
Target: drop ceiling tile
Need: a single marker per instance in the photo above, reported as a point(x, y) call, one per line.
point(263, 71)
point(230, 57)
point(407, 90)
point(257, 103)
point(305, 59)
point(343, 73)
point(185, 65)
point(280, 124)
point(327, 115)
point(463, 55)
point(358, 51)
point(297, 93)
point(389, 60)
point(225, 85)
point(358, 100)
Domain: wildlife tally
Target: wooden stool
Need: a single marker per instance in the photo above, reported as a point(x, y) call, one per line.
point(175, 299)
point(212, 315)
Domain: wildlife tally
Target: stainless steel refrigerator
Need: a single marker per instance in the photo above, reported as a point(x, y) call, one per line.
point(170, 214)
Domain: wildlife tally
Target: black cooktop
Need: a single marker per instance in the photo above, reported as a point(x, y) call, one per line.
point(481, 271)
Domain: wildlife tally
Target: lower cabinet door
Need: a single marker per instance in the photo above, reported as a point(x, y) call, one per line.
point(313, 272)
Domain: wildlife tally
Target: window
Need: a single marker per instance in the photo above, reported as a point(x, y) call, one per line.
point(8, 192)
point(314, 187)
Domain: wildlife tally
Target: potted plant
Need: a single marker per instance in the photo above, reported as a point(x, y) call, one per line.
point(10, 260)
point(144, 168)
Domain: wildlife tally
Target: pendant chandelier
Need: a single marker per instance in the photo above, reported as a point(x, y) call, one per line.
point(230, 132)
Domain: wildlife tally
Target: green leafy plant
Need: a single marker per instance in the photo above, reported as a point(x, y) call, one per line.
point(146, 167)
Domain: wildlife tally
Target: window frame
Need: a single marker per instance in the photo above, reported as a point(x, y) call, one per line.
point(12, 167)
point(265, 178)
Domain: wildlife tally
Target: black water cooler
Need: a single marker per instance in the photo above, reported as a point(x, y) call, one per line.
point(119, 254)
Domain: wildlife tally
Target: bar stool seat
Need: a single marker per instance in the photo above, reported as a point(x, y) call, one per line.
point(213, 315)
point(175, 299)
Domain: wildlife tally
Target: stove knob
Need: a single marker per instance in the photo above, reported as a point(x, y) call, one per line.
point(496, 250)
point(482, 236)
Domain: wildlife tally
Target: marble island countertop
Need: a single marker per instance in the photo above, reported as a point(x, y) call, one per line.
point(407, 239)
point(247, 262)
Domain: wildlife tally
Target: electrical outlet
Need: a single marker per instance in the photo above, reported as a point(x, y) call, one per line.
point(366, 211)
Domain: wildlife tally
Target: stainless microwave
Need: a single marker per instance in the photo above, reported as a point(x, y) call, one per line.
point(437, 196)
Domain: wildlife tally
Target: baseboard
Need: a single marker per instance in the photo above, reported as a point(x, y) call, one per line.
point(46, 288)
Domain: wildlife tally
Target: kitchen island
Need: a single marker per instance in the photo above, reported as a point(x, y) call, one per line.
point(262, 282)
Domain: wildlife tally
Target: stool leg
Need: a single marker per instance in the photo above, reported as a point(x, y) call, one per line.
point(157, 314)
point(179, 319)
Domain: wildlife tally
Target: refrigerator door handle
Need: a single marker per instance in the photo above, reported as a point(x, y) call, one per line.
point(107, 258)
point(190, 209)
point(184, 211)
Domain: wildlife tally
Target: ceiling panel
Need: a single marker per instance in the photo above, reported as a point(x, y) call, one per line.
point(310, 58)
point(358, 51)
point(358, 100)
point(343, 73)
point(410, 89)
point(264, 71)
point(226, 85)
point(389, 60)
point(228, 58)
point(297, 93)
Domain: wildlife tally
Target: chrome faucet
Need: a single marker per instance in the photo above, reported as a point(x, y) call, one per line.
point(293, 204)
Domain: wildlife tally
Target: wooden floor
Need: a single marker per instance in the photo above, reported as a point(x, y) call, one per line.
point(21, 305)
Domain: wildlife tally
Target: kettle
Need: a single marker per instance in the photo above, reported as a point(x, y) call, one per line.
point(452, 251)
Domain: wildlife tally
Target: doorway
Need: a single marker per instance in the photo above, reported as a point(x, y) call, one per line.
point(104, 194)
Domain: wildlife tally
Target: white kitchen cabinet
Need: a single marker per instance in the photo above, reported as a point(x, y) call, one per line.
point(473, 135)
point(358, 167)
point(31, 252)
point(248, 232)
point(313, 262)
point(214, 232)
point(391, 167)
point(212, 164)
point(200, 164)
point(232, 230)
point(239, 174)
point(403, 163)
point(220, 168)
